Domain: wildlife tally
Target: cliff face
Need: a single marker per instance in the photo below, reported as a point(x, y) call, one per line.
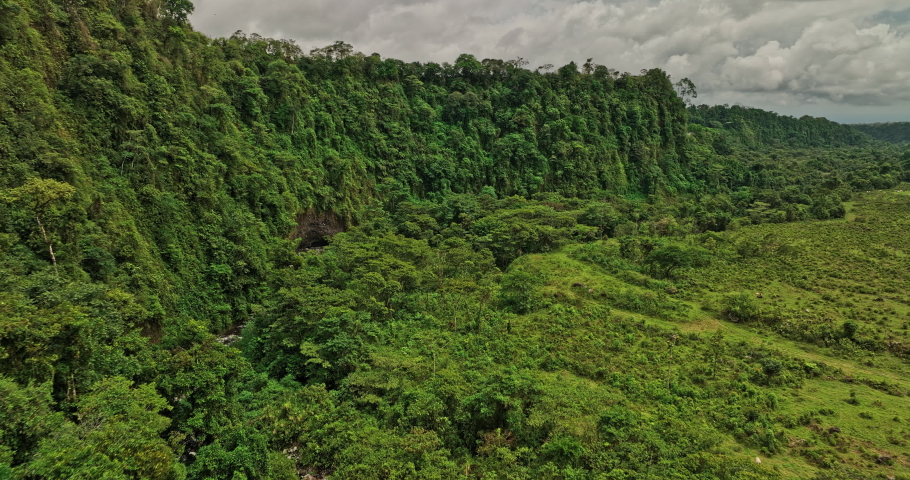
point(191, 156)
point(120, 92)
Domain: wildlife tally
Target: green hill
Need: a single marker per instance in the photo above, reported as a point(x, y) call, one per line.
point(226, 258)
point(893, 132)
point(755, 128)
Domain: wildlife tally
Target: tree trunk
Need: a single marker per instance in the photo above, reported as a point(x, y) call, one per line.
point(50, 247)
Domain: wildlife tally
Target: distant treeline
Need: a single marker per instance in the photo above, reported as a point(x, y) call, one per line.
point(756, 128)
point(893, 132)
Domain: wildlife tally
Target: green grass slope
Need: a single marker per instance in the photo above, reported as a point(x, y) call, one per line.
point(833, 305)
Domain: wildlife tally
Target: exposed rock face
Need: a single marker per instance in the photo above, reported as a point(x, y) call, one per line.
point(314, 228)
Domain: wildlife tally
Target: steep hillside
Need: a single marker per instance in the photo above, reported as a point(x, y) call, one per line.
point(175, 142)
point(192, 158)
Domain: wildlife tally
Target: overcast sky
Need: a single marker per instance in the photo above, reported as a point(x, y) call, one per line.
point(848, 60)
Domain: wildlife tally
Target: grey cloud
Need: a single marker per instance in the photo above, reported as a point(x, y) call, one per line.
point(777, 54)
point(832, 59)
point(511, 38)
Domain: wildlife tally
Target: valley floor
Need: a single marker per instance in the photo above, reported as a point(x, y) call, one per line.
point(832, 296)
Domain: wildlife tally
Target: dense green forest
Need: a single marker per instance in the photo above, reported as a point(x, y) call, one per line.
point(893, 132)
point(229, 258)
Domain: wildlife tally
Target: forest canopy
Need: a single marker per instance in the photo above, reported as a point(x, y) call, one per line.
point(228, 258)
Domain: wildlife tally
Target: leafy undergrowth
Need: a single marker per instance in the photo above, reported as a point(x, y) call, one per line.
point(390, 356)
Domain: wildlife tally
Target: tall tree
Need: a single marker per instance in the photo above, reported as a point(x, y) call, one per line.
point(40, 196)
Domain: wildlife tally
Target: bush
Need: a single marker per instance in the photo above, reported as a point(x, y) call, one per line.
point(740, 307)
point(520, 289)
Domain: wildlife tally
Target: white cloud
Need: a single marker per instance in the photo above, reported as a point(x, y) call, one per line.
point(835, 60)
point(769, 53)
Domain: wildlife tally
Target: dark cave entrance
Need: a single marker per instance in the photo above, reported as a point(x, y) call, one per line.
point(315, 229)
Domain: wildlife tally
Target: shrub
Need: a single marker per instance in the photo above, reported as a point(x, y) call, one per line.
point(520, 290)
point(740, 307)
